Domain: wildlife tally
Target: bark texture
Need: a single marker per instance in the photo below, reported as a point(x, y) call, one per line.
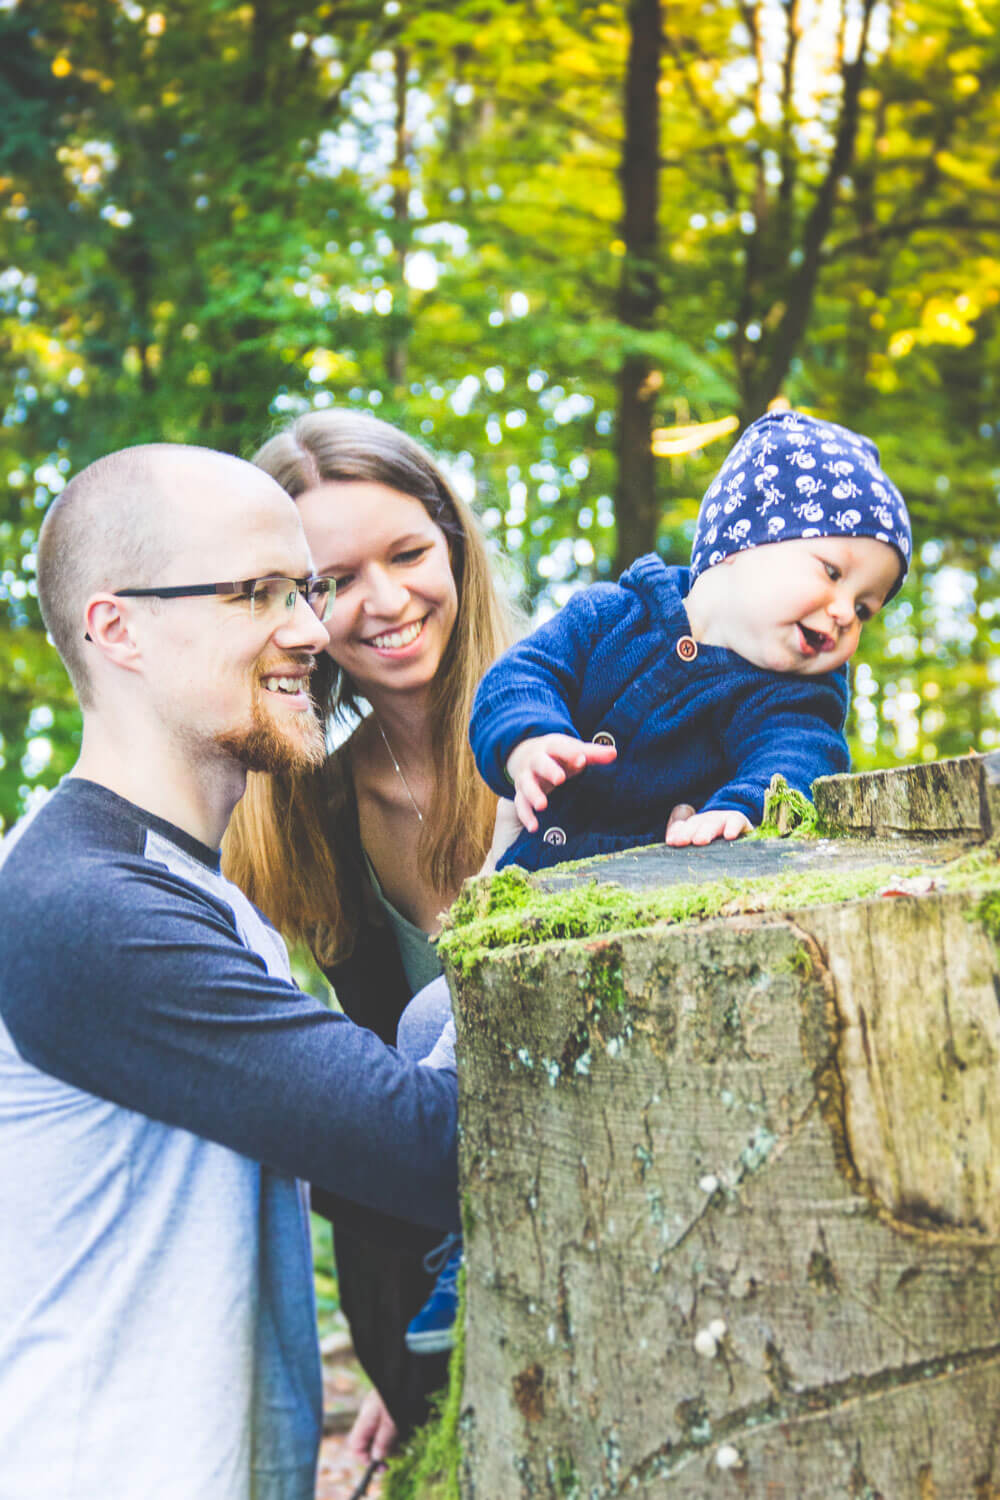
point(732, 1208)
point(959, 796)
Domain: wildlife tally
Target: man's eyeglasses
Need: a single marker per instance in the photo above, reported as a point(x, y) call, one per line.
point(269, 598)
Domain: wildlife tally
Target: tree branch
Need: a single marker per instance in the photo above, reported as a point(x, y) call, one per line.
point(718, 153)
point(879, 234)
point(795, 319)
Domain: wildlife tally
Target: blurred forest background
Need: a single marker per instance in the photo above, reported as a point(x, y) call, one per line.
point(572, 247)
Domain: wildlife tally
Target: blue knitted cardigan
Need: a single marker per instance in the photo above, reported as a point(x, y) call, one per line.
point(709, 728)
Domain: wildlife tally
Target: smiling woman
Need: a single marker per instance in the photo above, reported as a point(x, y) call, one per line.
point(390, 629)
point(359, 858)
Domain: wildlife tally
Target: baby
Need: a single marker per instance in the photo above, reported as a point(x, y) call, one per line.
point(681, 691)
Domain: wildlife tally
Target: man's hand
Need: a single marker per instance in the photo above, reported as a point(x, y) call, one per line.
point(685, 826)
point(537, 765)
point(373, 1436)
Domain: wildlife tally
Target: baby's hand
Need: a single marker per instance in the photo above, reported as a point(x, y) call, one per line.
point(688, 827)
point(537, 765)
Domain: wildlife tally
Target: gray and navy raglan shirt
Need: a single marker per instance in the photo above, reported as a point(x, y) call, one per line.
point(163, 1086)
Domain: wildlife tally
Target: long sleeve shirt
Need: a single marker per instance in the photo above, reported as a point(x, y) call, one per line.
point(163, 1086)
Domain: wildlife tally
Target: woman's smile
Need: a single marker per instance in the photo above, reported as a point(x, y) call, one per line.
point(397, 640)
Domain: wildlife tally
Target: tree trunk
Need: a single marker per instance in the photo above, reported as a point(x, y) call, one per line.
point(636, 507)
point(398, 327)
point(732, 1218)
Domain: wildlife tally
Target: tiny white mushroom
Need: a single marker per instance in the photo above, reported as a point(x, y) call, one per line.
point(717, 1328)
point(705, 1343)
point(708, 1183)
point(728, 1457)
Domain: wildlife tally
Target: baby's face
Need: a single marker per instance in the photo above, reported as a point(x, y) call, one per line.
point(799, 606)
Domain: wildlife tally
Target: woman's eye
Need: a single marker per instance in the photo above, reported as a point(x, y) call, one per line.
point(411, 555)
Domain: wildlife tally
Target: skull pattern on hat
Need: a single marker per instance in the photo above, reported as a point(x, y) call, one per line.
point(792, 475)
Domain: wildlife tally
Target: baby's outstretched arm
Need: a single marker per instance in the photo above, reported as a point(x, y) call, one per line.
point(685, 826)
point(544, 761)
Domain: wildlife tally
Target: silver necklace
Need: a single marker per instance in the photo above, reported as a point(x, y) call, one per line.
point(399, 769)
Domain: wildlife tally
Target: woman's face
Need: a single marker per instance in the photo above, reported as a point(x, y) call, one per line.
point(396, 598)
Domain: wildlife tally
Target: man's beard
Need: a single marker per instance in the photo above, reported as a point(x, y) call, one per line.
point(262, 745)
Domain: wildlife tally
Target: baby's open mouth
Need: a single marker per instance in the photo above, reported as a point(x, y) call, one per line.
point(816, 640)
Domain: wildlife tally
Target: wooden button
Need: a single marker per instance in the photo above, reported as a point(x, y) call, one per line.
point(604, 737)
point(687, 648)
point(554, 836)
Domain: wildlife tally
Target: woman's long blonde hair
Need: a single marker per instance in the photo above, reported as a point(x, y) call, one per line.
point(291, 842)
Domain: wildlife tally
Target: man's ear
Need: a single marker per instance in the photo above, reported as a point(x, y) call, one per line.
point(108, 627)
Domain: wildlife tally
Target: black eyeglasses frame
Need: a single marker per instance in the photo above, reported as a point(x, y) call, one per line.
point(238, 588)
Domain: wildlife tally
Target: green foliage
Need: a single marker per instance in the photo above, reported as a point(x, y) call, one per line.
point(324, 1276)
point(214, 217)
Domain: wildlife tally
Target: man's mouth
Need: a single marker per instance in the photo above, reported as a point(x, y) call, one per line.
point(814, 641)
point(394, 640)
point(285, 684)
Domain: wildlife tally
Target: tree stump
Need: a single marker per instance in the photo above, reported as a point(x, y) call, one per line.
point(730, 1160)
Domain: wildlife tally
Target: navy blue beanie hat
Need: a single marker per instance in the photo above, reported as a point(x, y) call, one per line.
point(790, 475)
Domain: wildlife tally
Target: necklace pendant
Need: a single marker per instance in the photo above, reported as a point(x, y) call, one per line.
point(398, 768)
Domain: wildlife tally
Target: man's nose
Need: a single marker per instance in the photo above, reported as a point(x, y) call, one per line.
point(302, 630)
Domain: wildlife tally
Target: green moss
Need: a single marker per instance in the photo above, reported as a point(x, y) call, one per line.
point(428, 1467)
point(520, 914)
point(798, 962)
point(510, 891)
point(987, 912)
point(787, 811)
point(602, 980)
point(595, 908)
point(564, 1477)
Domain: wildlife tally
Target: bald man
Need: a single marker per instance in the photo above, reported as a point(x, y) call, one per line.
point(163, 1084)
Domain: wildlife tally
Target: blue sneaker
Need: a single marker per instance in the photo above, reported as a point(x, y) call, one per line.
point(432, 1331)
